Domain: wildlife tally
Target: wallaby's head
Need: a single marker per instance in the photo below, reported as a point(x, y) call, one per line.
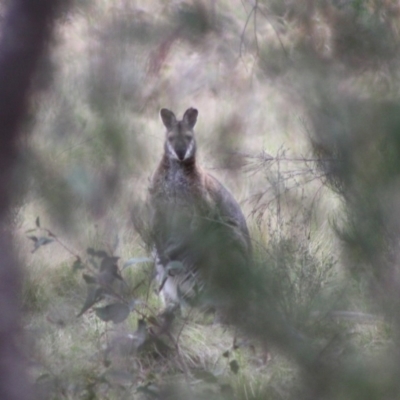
point(180, 143)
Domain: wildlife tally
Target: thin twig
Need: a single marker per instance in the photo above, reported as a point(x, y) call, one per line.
point(255, 27)
point(55, 237)
point(276, 32)
point(244, 31)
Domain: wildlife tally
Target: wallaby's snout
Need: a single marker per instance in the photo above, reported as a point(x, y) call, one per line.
point(181, 147)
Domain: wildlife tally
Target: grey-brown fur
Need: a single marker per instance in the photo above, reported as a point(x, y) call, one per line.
point(195, 219)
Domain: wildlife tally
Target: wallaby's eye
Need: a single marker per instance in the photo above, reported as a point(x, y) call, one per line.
point(171, 136)
point(188, 137)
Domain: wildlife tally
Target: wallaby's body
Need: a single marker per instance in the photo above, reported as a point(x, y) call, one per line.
point(194, 217)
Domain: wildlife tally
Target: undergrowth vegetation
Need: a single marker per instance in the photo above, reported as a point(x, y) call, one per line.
point(109, 309)
point(298, 116)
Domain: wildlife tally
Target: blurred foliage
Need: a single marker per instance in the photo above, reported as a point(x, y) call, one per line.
point(322, 70)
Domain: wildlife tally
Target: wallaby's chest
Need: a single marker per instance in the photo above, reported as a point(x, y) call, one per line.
point(178, 200)
point(179, 183)
point(178, 186)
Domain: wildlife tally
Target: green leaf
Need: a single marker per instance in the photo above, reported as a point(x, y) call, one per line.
point(41, 241)
point(116, 312)
point(77, 265)
point(89, 279)
point(45, 240)
point(234, 366)
point(90, 251)
point(109, 264)
point(102, 254)
point(94, 295)
point(108, 272)
point(135, 261)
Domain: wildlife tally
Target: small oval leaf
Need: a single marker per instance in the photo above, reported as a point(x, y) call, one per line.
point(101, 254)
point(90, 251)
point(77, 265)
point(109, 263)
point(89, 279)
point(42, 241)
point(234, 366)
point(94, 295)
point(45, 240)
point(117, 312)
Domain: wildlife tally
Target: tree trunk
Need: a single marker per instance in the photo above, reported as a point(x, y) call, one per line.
point(25, 32)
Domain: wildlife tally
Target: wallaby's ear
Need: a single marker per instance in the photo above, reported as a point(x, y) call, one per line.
point(190, 117)
point(168, 118)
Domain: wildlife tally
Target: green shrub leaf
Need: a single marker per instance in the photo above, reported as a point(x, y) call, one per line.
point(94, 295)
point(116, 312)
point(41, 241)
point(89, 279)
point(77, 265)
point(234, 366)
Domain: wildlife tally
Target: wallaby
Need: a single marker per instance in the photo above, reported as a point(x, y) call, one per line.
point(198, 228)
